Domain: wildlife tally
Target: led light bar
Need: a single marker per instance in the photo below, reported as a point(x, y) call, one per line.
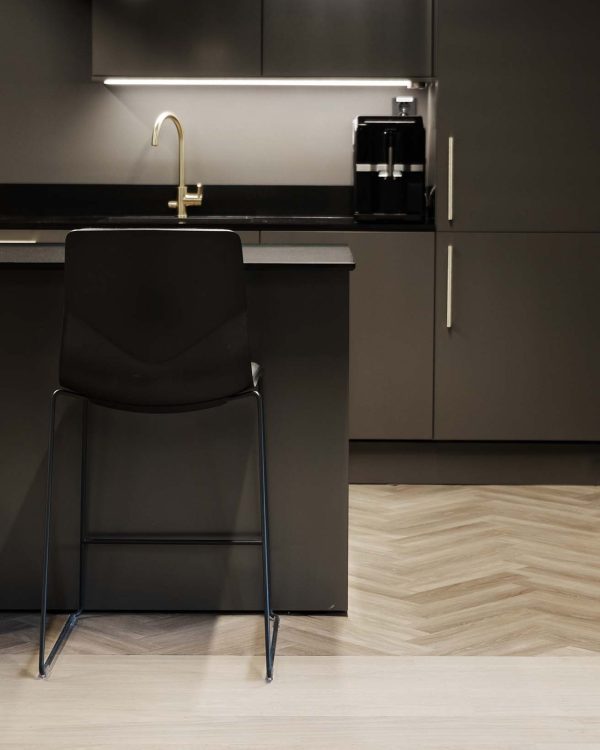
point(363, 82)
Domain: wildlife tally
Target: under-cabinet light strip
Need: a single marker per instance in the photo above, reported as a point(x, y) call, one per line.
point(381, 82)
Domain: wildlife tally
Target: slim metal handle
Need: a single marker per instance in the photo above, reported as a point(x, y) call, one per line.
point(449, 288)
point(451, 178)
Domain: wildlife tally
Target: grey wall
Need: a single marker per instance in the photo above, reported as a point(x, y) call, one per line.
point(56, 125)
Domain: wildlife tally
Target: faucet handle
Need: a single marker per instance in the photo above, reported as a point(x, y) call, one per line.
point(172, 204)
point(196, 197)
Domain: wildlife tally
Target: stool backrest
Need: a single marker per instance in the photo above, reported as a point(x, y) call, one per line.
point(154, 317)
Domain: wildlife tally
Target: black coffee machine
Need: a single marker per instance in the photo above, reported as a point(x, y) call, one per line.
point(389, 169)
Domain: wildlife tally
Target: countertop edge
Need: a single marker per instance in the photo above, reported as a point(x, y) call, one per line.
point(254, 255)
point(272, 224)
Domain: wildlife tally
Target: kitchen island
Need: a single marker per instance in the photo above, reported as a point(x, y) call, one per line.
point(183, 473)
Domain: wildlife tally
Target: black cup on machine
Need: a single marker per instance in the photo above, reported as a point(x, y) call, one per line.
point(389, 169)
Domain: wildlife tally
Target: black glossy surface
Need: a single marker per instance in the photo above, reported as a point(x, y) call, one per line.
point(389, 140)
point(287, 206)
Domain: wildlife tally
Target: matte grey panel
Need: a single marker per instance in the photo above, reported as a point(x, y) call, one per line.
point(438, 462)
point(254, 255)
point(391, 330)
point(38, 253)
point(44, 43)
point(42, 236)
point(184, 472)
point(347, 38)
point(49, 245)
point(178, 38)
point(305, 254)
point(518, 90)
point(521, 361)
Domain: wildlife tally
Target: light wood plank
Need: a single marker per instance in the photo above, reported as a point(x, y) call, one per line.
point(327, 703)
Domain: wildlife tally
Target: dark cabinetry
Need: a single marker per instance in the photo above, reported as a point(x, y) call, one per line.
point(347, 38)
point(249, 38)
point(521, 359)
point(518, 94)
point(176, 39)
point(391, 329)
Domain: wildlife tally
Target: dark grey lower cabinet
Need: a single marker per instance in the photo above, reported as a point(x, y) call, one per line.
point(391, 330)
point(520, 359)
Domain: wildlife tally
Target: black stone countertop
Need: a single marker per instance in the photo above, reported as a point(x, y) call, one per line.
point(237, 206)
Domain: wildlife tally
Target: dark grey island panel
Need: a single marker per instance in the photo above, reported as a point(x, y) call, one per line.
point(185, 472)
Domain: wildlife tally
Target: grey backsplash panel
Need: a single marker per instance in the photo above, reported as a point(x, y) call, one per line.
point(56, 125)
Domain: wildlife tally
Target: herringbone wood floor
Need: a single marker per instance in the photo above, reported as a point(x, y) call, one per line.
point(433, 571)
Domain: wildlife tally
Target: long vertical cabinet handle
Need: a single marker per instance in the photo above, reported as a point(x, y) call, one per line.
point(449, 288)
point(451, 178)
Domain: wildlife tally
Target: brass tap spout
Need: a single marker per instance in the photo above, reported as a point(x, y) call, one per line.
point(184, 199)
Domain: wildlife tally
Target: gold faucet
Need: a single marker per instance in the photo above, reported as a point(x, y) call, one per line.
point(184, 199)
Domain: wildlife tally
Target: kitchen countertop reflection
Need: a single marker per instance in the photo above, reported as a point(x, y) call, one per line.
point(334, 223)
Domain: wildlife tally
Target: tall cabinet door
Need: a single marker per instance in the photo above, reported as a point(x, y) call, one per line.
point(391, 329)
point(349, 38)
point(518, 94)
point(517, 354)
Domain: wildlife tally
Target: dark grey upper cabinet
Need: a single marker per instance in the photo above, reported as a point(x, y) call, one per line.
point(347, 38)
point(177, 38)
point(521, 359)
point(391, 330)
point(518, 92)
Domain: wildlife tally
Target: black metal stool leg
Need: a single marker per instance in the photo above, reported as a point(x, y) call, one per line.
point(46, 664)
point(83, 508)
point(271, 619)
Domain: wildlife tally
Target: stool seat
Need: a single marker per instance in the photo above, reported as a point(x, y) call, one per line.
point(256, 374)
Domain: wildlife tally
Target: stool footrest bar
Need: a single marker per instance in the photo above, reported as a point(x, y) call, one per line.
point(123, 539)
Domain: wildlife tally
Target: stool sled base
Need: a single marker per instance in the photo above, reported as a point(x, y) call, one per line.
point(271, 620)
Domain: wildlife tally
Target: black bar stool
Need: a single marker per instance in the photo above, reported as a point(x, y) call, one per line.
point(155, 320)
